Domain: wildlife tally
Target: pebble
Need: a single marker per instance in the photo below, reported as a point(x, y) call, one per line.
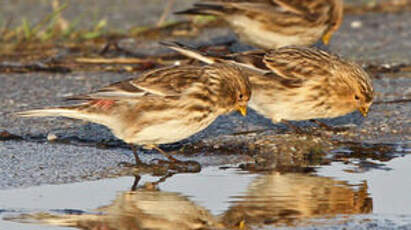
point(51, 137)
point(356, 24)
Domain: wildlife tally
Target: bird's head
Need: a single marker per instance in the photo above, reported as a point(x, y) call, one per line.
point(234, 87)
point(356, 90)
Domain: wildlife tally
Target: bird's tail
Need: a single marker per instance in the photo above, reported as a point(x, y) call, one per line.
point(190, 52)
point(81, 112)
point(205, 9)
point(51, 112)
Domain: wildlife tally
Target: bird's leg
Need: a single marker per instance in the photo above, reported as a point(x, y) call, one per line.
point(321, 124)
point(163, 178)
point(136, 157)
point(136, 180)
point(293, 127)
point(152, 186)
point(327, 127)
point(168, 155)
point(250, 132)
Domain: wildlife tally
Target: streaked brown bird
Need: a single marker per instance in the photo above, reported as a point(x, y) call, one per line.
point(295, 83)
point(272, 24)
point(161, 106)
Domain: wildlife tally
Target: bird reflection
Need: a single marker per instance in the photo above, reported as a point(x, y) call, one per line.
point(275, 199)
point(271, 199)
point(143, 207)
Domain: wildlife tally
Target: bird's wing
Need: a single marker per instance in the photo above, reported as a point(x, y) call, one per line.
point(228, 7)
point(277, 8)
point(252, 60)
point(164, 82)
point(294, 6)
point(261, 7)
point(299, 64)
point(297, 7)
point(169, 81)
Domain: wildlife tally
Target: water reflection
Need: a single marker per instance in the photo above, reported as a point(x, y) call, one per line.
point(270, 199)
point(276, 198)
point(143, 209)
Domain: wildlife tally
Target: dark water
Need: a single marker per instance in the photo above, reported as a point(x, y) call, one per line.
point(221, 198)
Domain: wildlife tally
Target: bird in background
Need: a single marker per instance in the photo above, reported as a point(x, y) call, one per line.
point(272, 24)
point(162, 106)
point(297, 83)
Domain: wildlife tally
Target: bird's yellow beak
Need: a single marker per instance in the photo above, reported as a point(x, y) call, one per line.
point(363, 110)
point(326, 38)
point(242, 109)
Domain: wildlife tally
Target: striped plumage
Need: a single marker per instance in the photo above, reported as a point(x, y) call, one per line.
point(294, 83)
point(276, 23)
point(162, 106)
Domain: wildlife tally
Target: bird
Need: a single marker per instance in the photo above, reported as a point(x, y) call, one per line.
point(161, 106)
point(270, 24)
point(297, 83)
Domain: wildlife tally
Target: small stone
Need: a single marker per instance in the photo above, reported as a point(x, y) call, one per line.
point(51, 137)
point(356, 24)
point(128, 68)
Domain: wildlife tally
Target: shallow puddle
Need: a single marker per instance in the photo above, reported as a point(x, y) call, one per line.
point(218, 199)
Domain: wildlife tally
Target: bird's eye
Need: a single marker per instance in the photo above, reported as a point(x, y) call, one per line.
point(241, 96)
point(357, 97)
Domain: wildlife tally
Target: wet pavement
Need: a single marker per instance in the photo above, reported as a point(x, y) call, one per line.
point(356, 179)
point(326, 199)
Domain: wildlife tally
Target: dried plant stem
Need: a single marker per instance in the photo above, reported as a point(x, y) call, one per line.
point(165, 13)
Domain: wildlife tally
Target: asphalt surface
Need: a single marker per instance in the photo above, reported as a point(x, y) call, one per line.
point(382, 39)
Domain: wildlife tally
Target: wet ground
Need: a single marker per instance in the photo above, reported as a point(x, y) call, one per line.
point(255, 174)
point(327, 199)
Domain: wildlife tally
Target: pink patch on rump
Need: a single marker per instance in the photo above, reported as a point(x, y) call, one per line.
point(103, 104)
